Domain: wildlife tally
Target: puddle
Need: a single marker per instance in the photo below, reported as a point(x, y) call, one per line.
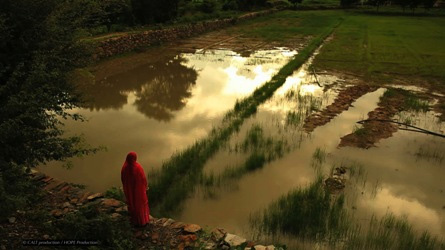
point(157, 104)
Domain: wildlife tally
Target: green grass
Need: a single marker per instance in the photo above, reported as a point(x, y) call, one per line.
point(391, 232)
point(411, 101)
point(312, 213)
point(288, 24)
point(381, 48)
point(309, 212)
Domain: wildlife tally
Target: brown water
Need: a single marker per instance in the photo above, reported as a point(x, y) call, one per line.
point(156, 103)
point(403, 175)
point(159, 104)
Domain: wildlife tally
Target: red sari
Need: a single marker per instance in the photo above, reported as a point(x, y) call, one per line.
point(135, 186)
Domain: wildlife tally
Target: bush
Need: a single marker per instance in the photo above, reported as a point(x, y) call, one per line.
point(89, 223)
point(208, 6)
point(230, 5)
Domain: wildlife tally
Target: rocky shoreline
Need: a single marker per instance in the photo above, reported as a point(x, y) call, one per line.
point(160, 233)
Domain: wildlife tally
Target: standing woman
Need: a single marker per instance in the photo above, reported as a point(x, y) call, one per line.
point(135, 186)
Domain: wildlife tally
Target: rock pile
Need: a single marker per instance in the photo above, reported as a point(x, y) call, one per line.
point(161, 233)
point(117, 45)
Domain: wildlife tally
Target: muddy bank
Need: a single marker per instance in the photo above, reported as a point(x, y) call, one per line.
point(374, 129)
point(62, 199)
point(128, 42)
point(343, 101)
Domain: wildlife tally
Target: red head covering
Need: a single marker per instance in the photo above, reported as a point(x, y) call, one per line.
point(135, 186)
point(131, 158)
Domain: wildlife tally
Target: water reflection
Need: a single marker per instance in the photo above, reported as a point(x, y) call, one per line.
point(161, 87)
point(157, 103)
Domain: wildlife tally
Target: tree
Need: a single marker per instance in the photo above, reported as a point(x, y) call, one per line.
point(37, 50)
point(296, 2)
point(428, 4)
point(403, 3)
point(348, 3)
point(413, 4)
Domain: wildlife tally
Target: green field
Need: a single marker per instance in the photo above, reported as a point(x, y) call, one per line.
point(288, 24)
point(382, 48)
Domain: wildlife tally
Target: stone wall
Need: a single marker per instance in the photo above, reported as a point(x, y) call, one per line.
point(118, 45)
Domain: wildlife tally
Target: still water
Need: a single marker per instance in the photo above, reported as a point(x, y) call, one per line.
point(157, 103)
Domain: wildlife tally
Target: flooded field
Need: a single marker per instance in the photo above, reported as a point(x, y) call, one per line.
point(401, 176)
point(156, 104)
point(165, 106)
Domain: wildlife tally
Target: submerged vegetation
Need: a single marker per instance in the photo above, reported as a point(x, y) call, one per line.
point(180, 174)
point(312, 213)
point(306, 212)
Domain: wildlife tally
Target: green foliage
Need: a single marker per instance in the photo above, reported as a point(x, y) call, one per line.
point(38, 49)
point(208, 6)
point(89, 223)
point(348, 3)
point(230, 5)
point(115, 193)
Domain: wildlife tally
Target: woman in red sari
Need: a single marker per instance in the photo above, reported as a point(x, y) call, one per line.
point(135, 189)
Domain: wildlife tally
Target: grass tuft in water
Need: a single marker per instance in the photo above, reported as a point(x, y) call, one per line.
point(305, 212)
point(319, 157)
point(177, 178)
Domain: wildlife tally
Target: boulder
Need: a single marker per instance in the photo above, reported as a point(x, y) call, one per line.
point(234, 240)
point(95, 196)
point(115, 215)
point(109, 203)
point(11, 220)
point(168, 222)
point(218, 234)
point(192, 228)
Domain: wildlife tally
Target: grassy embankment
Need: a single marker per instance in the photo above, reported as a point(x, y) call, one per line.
point(384, 48)
point(180, 174)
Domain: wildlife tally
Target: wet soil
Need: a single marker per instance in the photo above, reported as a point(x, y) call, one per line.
point(343, 101)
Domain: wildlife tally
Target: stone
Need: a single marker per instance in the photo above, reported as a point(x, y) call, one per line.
point(234, 240)
point(250, 244)
point(270, 247)
point(154, 237)
point(83, 196)
point(192, 228)
point(115, 215)
point(111, 203)
point(259, 247)
point(218, 234)
point(95, 196)
point(177, 225)
point(11, 220)
point(138, 234)
point(188, 239)
point(56, 212)
point(122, 209)
point(168, 222)
point(210, 245)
